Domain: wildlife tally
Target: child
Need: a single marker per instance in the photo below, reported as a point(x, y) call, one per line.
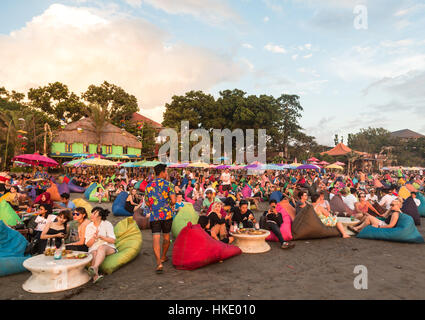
point(179, 202)
point(100, 194)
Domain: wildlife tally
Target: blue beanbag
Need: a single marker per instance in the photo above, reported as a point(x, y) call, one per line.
point(404, 231)
point(12, 250)
point(89, 190)
point(118, 207)
point(276, 195)
point(421, 208)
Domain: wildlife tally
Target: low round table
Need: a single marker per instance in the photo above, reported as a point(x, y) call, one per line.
point(348, 222)
point(252, 243)
point(49, 275)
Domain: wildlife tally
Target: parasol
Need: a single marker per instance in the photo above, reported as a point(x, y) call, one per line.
point(99, 162)
point(36, 160)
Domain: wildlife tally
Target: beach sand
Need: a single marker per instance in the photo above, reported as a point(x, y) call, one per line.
point(314, 269)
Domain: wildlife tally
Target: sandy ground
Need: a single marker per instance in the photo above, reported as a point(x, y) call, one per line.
point(314, 269)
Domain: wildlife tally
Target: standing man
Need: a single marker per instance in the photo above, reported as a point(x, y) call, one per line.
point(226, 181)
point(161, 198)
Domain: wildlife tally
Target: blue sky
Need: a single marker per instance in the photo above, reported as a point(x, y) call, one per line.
point(347, 78)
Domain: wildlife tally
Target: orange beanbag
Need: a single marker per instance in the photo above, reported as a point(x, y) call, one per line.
point(54, 192)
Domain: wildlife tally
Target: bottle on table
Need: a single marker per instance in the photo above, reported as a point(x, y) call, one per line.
point(47, 249)
point(257, 226)
point(58, 251)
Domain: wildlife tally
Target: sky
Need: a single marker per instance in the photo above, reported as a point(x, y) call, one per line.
point(354, 63)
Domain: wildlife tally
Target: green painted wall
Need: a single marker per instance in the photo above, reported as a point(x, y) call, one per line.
point(77, 148)
point(116, 149)
point(58, 147)
point(134, 151)
point(92, 148)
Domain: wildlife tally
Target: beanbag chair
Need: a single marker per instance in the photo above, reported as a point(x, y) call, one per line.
point(285, 228)
point(63, 188)
point(74, 188)
point(142, 221)
point(194, 248)
point(118, 207)
point(143, 185)
point(54, 192)
point(92, 196)
point(128, 243)
point(198, 204)
point(66, 179)
point(246, 191)
point(421, 208)
point(60, 180)
point(404, 193)
point(285, 205)
point(404, 231)
point(307, 225)
point(338, 205)
point(137, 185)
point(8, 215)
point(184, 215)
point(276, 195)
point(12, 249)
point(84, 204)
point(89, 190)
point(409, 207)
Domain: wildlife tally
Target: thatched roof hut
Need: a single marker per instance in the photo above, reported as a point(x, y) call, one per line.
point(82, 131)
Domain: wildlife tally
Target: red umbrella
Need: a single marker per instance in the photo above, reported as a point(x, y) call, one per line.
point(36, 160)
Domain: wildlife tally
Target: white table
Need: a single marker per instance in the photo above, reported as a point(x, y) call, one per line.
point(348, 222)
point(49, 275)
point(252, 243)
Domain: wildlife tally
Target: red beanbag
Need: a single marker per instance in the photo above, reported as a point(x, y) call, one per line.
point(194, 248)
point(143, 185)
point(285, 228)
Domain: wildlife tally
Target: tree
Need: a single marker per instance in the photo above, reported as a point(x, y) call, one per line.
point(116, 102)
point(98, 115)
point(55, 99)
point(290, 108)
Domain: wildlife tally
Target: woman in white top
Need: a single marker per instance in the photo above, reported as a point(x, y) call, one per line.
point(100, 239)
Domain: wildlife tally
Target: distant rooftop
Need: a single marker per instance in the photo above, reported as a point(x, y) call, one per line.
point(137, 117)
point(406, 134)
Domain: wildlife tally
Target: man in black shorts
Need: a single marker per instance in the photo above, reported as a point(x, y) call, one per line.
point(161, 198)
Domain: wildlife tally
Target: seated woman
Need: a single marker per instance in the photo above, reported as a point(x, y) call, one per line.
point(100, 239)
point(326, 217)
point(111, 190)
point(188, 194)
point(217, 224)
point(37, 224)
point(132, 203)
point(56, 230)
point(101, 193)
point(80, 215)
point(273, 222)
point(391, 218)
point(362, 207)
point(12, 197)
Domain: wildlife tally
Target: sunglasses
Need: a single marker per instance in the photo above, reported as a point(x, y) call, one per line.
point(76, 214)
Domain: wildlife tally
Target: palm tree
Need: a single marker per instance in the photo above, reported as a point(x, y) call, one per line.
point(9, 132)
point(99, 117)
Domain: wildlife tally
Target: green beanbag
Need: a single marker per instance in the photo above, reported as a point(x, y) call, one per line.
point(8, 215)
point(404, 231)
point(184, 215)
point(128, 243)
point(92, 197)
point(421, 208)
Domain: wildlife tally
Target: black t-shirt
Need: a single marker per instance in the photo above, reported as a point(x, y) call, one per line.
point(2, 188)
point(238, 217)
point(214, 219)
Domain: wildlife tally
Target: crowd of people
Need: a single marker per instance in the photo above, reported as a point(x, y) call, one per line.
point(225, 200)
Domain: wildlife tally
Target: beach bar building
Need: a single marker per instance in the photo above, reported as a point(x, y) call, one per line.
point(79, 138)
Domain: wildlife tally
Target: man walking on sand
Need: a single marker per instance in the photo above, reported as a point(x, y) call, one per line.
point(161, 198)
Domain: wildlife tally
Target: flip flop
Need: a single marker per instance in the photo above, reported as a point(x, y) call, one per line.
point(159, 269)
point(99, 278)
point(287, 245)
point(165, 260)
point(351, 228)
point(91, 272)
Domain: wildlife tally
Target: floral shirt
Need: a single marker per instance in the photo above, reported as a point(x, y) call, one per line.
point(158, 194)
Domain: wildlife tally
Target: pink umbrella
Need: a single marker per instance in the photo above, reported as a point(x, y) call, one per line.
point(36, 160)
point(340, 163)
point(313, 159)
point(323, 163)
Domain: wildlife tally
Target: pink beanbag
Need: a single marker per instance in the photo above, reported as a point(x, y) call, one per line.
point(194, 248)
point(285, 228)
point(246, 191)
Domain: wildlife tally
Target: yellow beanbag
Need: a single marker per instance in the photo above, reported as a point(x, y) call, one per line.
point(128, 243)
point(404, 193)
point(83, 203)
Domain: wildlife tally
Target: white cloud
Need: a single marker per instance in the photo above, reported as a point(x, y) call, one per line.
point(134, 3)
point(274, 48)
point(266, 19)
point(397, 44)
point(308, 56)
point(80, 46)
point(294, 57)
point(212, 11)
point(308, 46)
point(248, 64)
point(247, 45)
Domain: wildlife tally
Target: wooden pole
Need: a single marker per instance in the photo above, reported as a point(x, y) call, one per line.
point(7, 144)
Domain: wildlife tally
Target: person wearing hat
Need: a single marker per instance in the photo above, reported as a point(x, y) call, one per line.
point(209, 199)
